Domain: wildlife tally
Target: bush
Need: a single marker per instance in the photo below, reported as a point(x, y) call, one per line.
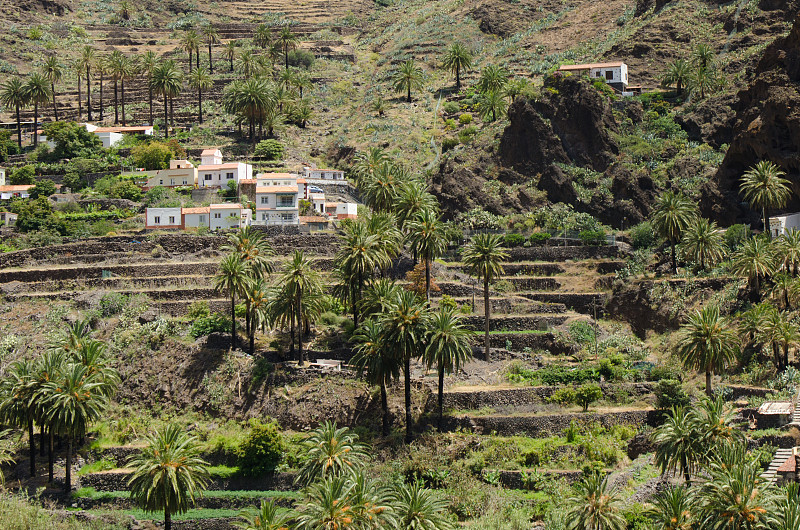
point(669, 393)
point(465, 119)
point(563, 396)
point(587, 394)
point(451, 107)
point(112, 304)
point(71, 140)
point(22, 176)
point(210, 324)
point(513, 240)
point(155, 155)
point(735, 235)
point(643, 236)
point(125, 189)
point(467, 134)
point(43, 188)
point(270, 149)
point(198, 309)
point(593, 237)
point(301, 59)
point(539, 238)
point(449, 143)
point(262, 450)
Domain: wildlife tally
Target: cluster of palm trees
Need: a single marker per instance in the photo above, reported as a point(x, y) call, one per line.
point(704, 442)
point(169, 475)
point(37, 91)
point(698, 74)
point(63, 392)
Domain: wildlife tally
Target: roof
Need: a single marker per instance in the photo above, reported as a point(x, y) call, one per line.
point(226, 206)
point(205, 209)
point(210, 152)
point(324, 169)
point(276, 175)
point(18, 187)
point(332, 204)
point(588, 66)
point(317, 196)
point(301, 181)
point(229, 165)
point(312, 219)
point(276, 189)
point(248, 181)
point(776, 407)
point(131, 129)
point(790, 466)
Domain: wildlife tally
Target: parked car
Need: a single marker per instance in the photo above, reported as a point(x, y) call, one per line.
point(315, 189)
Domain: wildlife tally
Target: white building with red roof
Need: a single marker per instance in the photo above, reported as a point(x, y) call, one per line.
point(613, 73)
point(213, 173)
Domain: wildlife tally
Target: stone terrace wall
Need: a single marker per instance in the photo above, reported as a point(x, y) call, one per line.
point(118, 481)
point(563, 253)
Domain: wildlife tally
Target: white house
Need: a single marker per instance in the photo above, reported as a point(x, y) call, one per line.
point(163, 218)
point(2, 176)
point(277, 204)
point(314, 173)
point(8, 219)
point(109, 136)
point(346, 210)
point(614, 73)
point(781, 224)
point(180, 173)
point(213, 173)
point(317, 202)
point(196, 217)
point(21, 191)
point(227, 216)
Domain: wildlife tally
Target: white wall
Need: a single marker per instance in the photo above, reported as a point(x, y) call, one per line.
point(619, 74)
point(163, 217)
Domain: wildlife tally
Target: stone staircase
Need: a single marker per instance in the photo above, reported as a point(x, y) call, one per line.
point(781, 456)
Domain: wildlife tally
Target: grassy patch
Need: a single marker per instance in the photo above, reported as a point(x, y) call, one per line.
point(104, 464)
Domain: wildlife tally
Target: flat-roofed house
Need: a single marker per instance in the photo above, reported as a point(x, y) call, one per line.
point(163, 218)
point(228, 216)
point(614, 74)
point(180, 173)
point(219, 175)
point(277, 204)
point(313, 173)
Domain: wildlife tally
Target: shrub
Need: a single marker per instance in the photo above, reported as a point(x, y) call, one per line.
point(563, 396)
point(206, 325)
point(270, 149)
point(301, 59)
point(587, 394)
point(22, 176)
point(43, 188)
point(125, 189)
point(735, 235)
point(514, 240)
point(669, 393)
point(155, 155)
point(581, 332)
point(467, 134)
point(198, 309)
point(540, 238)
point(643, 236)
point(451, 107)
point(448, 302)
point(112, 304)
point(592, 237)
point(465, 119)
point(449, 143)
point(262, 450)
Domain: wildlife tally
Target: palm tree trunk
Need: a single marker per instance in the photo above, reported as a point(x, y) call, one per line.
point(291, 333)
point(766, 222)
point(88, 95)
point(355, 307)
point(709, 391)
point(673, 261)
point(19, 128)
point(252, 338)
point(42, 432)
point(428, 280)
point(200, 104)
point(150, 100)
point(385, 409)
point(55, 107)
point(197, 56)
point(116, 103)
point(172, 111)
point(233, 320)
point(101, 100)
point(458, 78)
point(35, 124)
point(80, 108)
point(231, 61)
point(210, 60)
point(486, 312)
point(441, 396)
point(166, 119)
point(50, 454)
point(407, 376)
point(190, 61)
point(68, 479)
point(122, 87)
point(167, 520)
point(301, 360)
point(408, 97)
point(685, 467)
point(32, 447)
point(286, 56)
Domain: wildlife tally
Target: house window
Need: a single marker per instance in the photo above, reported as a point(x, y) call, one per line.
point(185, 182)
point(208, 177)
point(263, 217)
point(264, 200)
point(287, 216)
point(286, 201)
point(161, 181)
point(229, 176)
point(157, 220)
point(171, 182)
point(202, 219)
point(217, 216)
point(609, 75)
point(599, 74)
point(172, 219)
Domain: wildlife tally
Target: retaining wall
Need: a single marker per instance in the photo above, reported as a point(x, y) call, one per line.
point(534, 341)
point(585, 303)
point(513, 479)
point(118, 481)
point(563, 253)
point(506, 323)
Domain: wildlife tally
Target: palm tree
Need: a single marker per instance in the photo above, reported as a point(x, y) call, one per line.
point(148, 62)
point(782, 286)
point(331, 452)
point(672, 214)
point(17, 405)
point(492, 105)
point(703, 243)
point(380, 188)
point(246, 63)
point(13, 95)
point(755, 260)
point(262, 37)
point(85, 63)
point(378, 297)
point(372, 502)
point(411, 198)
point(77, 67)
point(300, 279)
point(166, 81)
point(168, 474)
point(493, 79)
point(53, 73)
point(735, 498)
point(117, 68)
point(420, 508)
point(428, 238)
point(702, 56)
point(789, 251)
point(102, 68)
point(677, 74)
point(457, 59)
point(126, 71)
point(257, 298)
point(780, 332)
point(232, 277)
point(211, 36)
point(787, 510)
point(367, 162)
point(408, 76)
point(405, 325)
point(330, 505)
point(448, 348)
point(358, 256)
point(677, 444)
point(49, 367)
point(595, 506)
point(229, 49)
point(286, 40)
point(200, 80)
point(764, 187)
point(77, 399)
point(707, 343)
point(267, 517)
point(38, 92)
point(714, 423)
point(484, 255)
point(377, 361)
point(674, 509)
point(190, 43)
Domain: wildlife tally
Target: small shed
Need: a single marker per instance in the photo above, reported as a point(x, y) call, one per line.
point(774, 414)
point(787, 473)
point(613, 73)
